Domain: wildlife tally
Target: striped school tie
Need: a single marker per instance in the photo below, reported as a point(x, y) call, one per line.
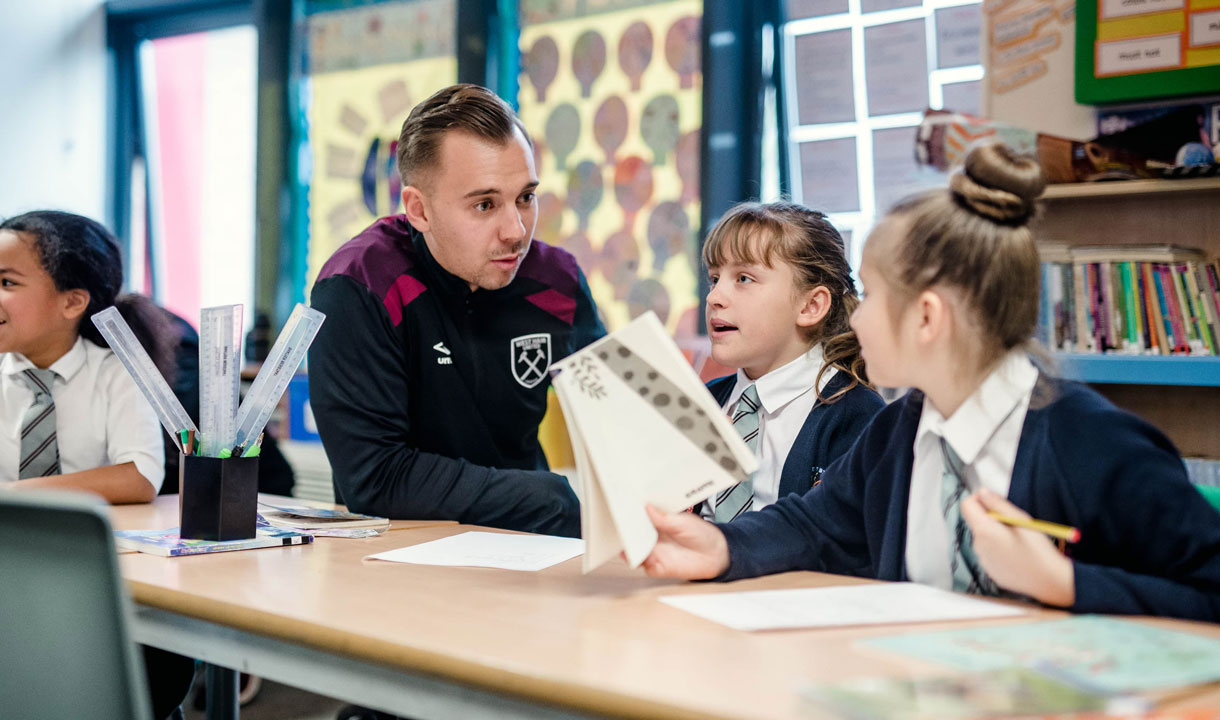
point(740, 497)
point(39, 447)
point(968, 573)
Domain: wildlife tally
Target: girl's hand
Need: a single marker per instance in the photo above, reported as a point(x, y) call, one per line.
point(689, 547)
point(1020, 560)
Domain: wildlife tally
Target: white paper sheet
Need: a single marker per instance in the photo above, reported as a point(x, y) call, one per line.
point(492, 550)
point(870, 604)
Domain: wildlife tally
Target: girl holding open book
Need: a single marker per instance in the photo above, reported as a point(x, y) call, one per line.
point(781, 295)
point(938, 486)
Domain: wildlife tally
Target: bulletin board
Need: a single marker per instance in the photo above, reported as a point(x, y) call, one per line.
point(611, 92)
point(1143, 49)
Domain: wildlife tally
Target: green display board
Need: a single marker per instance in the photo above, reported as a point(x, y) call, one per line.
point(1143, 49)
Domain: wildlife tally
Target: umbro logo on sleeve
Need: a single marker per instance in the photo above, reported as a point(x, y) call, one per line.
point(444, 358)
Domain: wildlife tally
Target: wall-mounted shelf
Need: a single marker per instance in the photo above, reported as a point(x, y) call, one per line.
point(1115, 188)
point(1140, 369)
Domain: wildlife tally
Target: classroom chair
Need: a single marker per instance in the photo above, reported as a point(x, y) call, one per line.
point(65, 651)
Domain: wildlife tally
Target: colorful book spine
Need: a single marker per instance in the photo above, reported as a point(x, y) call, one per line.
point(1194, 344)
point(1155, 323)
point(1171, 345)
point(1188, 272)
point(1084, 338)
point(1181, 342)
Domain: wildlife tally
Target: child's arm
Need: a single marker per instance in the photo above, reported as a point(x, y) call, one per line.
point(118, 484)
point(1150, 543)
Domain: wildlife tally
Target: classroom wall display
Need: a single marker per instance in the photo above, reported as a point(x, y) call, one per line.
point(1030, 54)
point(611, 92)
point(1143, 49)
point(367, 66)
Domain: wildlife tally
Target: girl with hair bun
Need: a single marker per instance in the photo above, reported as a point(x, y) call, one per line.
point(950, 280)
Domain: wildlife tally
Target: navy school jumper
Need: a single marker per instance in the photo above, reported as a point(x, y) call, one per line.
point(1150, 543)
point(828, 432)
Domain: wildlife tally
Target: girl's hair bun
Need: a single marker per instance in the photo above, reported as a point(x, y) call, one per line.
point(998, 183)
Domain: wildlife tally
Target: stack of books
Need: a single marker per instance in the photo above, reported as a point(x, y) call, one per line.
point(1136, 300)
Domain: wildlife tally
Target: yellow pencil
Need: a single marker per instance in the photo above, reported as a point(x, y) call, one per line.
point(1055, 530)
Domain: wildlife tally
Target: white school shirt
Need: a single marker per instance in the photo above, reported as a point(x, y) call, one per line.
point(984, 432)
point(100, 416)
point(786, 395)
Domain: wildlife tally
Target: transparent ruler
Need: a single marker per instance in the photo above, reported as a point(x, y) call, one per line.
point(140, 366)
point(272, 380)
point(219, 376)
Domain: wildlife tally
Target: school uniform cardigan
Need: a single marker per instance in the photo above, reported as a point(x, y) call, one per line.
point(828, 433)
point(1150, 543)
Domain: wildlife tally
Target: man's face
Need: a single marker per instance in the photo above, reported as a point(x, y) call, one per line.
point(476, 207)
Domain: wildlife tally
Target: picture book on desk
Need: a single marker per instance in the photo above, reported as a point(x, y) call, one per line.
point(301, 517)
point(166, 543)
point(644, 429)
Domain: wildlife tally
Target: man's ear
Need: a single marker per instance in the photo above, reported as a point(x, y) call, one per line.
point(75, 302)
point(416, 210)
point(816, 307)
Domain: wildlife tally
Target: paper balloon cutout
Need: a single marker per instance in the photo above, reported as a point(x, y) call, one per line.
point(619, 262)
point(659, 126)
point(648, 294)
point(610, 126)
point(578, 244)
point(668, 233)
point(682, 50)
point(540, 64)
point(588, 60)
point(562, 133)
point(550, 218)
point(635, 52)
point(686, 157)
point(632, 187)
point(585, 190)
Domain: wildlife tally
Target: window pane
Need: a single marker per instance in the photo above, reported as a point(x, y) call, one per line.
point(199, 100)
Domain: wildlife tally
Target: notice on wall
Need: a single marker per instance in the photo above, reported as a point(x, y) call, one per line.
point(824, 78)
point(896, 67)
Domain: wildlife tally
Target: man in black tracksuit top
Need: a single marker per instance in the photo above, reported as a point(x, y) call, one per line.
point(428, 379)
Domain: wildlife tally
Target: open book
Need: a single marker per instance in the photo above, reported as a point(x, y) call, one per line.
point(644, 429)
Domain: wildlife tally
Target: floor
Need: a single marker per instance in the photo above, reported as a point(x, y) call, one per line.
point(280, 702)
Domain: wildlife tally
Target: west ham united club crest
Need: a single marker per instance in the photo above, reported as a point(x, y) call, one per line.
point(530, 358)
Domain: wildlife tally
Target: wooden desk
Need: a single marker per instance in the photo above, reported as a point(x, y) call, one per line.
point(433, 642)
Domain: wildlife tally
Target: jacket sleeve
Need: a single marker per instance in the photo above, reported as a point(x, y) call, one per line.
point(1153, 540)
point(586, 325)
point(358, 389)
point(821, 530)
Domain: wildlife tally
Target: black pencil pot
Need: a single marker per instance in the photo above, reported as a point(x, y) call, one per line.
point(217, 497)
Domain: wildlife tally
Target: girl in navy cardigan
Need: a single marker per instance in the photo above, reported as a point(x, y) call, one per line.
point(951, 295)
point(778, 310)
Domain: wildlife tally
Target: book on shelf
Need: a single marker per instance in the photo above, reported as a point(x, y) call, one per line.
point(1133, 300)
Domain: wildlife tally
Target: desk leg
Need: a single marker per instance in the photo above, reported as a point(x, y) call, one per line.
point(221, 692)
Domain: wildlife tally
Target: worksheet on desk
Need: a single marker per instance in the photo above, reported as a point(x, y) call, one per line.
point(847, 605)
point(491, 550)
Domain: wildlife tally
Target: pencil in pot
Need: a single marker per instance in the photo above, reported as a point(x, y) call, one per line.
point(1055, 530)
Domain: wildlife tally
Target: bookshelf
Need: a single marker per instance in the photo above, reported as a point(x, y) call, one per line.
point(1178, 394)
